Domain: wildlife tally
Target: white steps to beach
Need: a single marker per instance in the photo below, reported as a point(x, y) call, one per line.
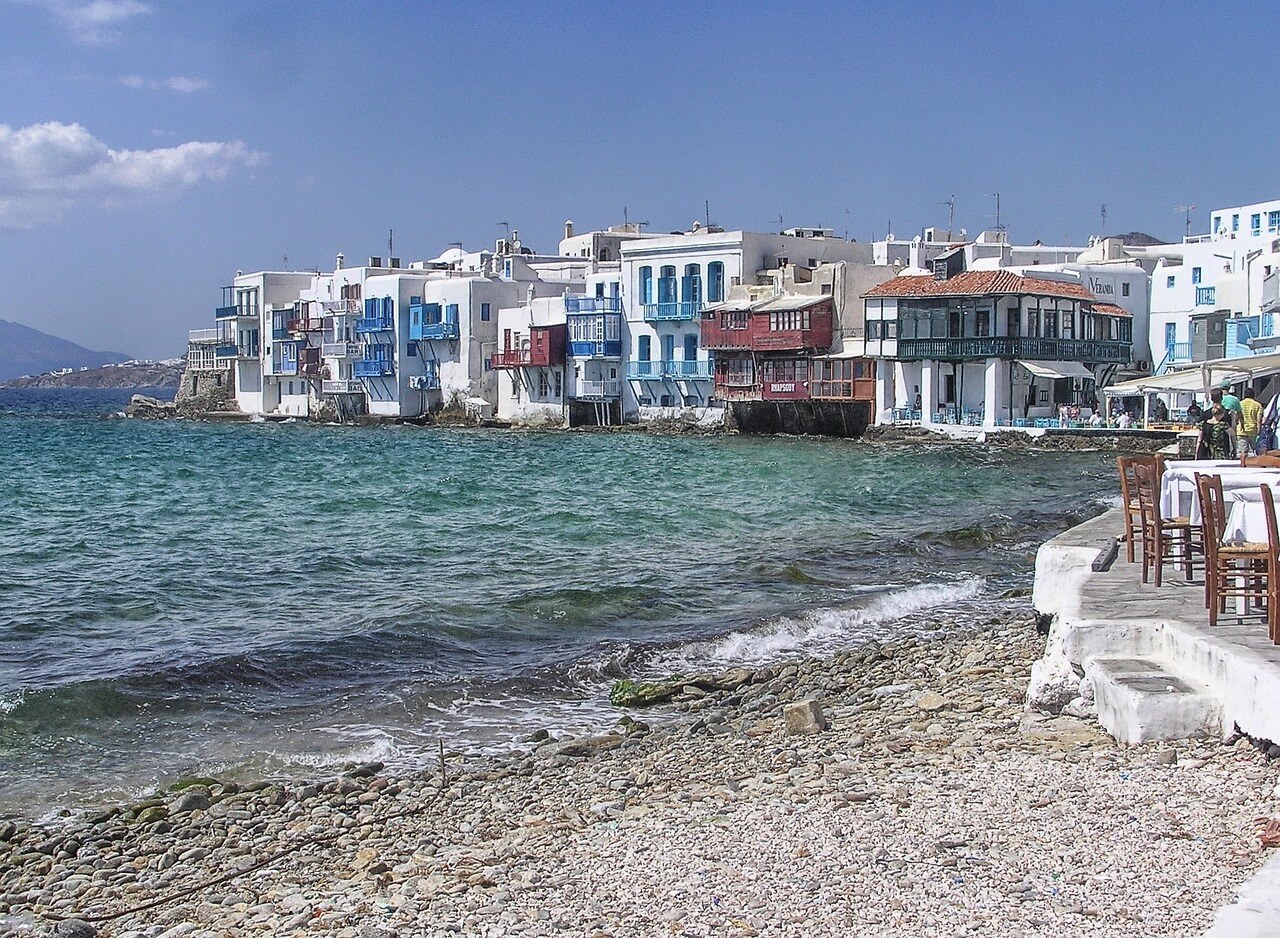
point(1141, 700)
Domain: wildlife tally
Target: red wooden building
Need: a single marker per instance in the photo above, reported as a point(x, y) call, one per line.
point(763, 349)
point(543, 347)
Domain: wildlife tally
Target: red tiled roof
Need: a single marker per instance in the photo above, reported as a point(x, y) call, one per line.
point(980, 283)
point(1110, 309)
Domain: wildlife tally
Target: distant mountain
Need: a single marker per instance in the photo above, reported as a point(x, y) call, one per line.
point(165, 374)
point(1139, 239)
point(27, 351)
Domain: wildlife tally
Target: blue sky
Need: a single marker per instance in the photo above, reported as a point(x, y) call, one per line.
point(150, 149)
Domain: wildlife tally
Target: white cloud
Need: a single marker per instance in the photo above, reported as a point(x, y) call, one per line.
point(97, 21)
point(48, 168)
point(178, 83)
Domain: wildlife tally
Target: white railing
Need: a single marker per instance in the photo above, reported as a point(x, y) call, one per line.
point(202, 335)
point(339, 349)
point(607, 388)
point(342, 306)
point(341, 387)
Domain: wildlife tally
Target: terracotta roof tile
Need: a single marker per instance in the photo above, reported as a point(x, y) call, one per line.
point(981, 283)
point(1110, 309)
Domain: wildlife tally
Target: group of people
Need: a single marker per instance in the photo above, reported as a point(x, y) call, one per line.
point(1231, 425)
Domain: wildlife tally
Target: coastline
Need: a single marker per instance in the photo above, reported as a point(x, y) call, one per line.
point(932, 804)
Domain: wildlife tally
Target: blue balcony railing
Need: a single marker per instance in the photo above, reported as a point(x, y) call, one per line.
point(675, 370)
point(601, 349)
point(433, 321)
point(227, 351)
point(672, 312)
point(225, 312)
point(592, 304)
point(377, 323)
point(373, 368)
point(1206, 296)
point(279, 332)
point(434, 330)
point(589, 332)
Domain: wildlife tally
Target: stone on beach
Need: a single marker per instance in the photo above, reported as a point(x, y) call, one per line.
point(804, 717)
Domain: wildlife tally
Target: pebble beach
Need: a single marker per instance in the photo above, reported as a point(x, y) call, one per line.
point(913, 796)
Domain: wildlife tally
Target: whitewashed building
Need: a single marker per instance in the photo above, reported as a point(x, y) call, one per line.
point(666, 282)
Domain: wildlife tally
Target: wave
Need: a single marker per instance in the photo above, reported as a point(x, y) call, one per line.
point(819, 631)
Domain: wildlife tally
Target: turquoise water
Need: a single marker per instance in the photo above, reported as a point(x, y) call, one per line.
point(183, 598)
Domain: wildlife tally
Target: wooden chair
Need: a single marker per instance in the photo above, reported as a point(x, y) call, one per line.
point(1129, 502)
point(1232, 571)
point(1266, 459)
point(1273, 565)
point(1163, 539)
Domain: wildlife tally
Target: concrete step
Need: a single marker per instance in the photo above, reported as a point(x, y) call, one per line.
point(1140, 700)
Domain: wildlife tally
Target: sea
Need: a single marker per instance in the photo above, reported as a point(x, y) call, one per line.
point(245, 600)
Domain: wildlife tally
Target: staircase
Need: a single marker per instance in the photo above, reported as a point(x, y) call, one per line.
point(1140, 700)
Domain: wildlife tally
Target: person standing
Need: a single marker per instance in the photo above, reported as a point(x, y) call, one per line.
point(1250, 420)
point(1230, 416)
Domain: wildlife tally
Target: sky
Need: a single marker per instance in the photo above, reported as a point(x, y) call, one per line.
point(150, 149)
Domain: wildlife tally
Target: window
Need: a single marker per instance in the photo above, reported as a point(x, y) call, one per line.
point(488, 364)
point(873, 330)
point(484, 312)
point(1255, 224)
point(691, 348)
point(1124, 288)
point(1013, 324)
point(667, 284)
point(559, 378)
point(1217, 223)
point(1235, 223)
point(715, 282)
point(1169, 281)
point(891, 328)
point(646, 284)
point(984, 322)
point(691, 285)
point(668, 348)
point(644, 348)
point(1196, 274)
point(1273, 221)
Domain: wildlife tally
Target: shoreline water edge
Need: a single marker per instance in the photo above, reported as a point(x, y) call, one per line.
point(908, 793)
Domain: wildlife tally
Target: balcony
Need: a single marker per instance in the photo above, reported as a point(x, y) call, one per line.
point(339, 349)
point(235, 351)
point(231, 312)
point(672, 312)
point(428, 321)
point(373, 368)
point(675, 370)
point(341, 387)
point(604, 390)
point(341, 307)
point(543, 347)
point(595, 334)
point(203, 336)
point(279, 333)
point(429, 380)
point(592, 304)
point(1206, 296)
point(304, 324)
point(1072, 350)
point(378, 323)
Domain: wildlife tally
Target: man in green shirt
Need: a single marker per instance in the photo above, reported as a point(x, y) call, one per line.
point(1250, 420)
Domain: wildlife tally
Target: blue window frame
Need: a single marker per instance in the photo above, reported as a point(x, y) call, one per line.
point(667, 284)
point(691, 348)
point(1217, 223)
point(1235, 222)
point(644, 348)
point(1255, 223)
point(668, 348)
point(1273, 221)
point(484, 312)
point(646, 284)
point(1196, 274)
point(715, 282)
point(1169, 281)
point(691, 284)
point(1170, 336)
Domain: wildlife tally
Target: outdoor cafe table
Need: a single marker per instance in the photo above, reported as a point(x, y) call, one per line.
point(1246, 518)
point(1178, 485)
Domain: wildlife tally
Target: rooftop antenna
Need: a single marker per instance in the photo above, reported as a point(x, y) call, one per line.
point(456, 244)
point(1186, 210)
point(506, 225)
point(286, 261)
point(779, 223)
point(846, 224)
point(951, 215)
point(1104, 220)
point(999, 226)
point(706, 207)
point(391, 242)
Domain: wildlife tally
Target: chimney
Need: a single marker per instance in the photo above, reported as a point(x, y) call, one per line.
point(341, 258)
point(568, 229)
point(375, 261)
point(394, 262)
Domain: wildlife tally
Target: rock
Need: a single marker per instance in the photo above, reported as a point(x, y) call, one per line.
point(628, 693)
point(149, 408)
point(154, 813)
point(74, 928)
point(1054, 683)
point(1167, 757)
point(191, 801)
point(804, 717)
point(891, 690)
point(931, 701)
point(365, 770)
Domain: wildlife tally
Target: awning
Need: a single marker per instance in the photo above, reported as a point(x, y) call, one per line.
point(1188, 379)
point(1056, 369)
point(1200, 377)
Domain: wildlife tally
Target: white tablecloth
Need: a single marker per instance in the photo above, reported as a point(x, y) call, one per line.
point(1178, 487)
point(1246, 518)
